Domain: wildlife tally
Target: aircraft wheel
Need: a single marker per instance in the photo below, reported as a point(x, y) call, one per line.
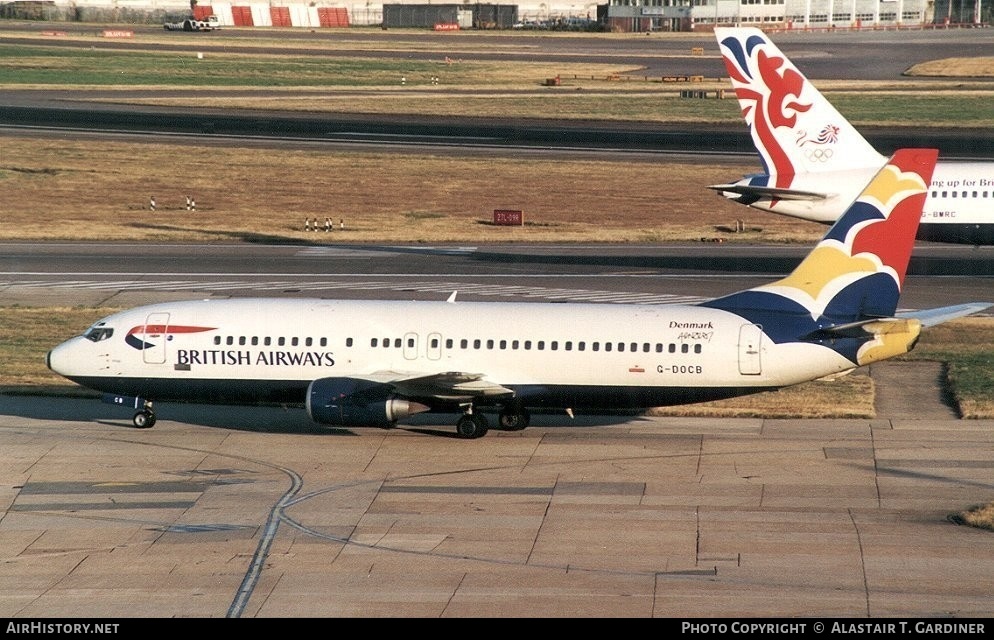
point(471, 426)
point(514, 421)
point(144, 419)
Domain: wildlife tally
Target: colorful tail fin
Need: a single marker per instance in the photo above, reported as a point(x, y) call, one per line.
point(795, 129)
point(853, 277)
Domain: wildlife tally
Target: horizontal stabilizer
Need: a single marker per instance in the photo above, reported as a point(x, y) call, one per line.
point(932, 317)
point(770, 192)
point(870, 326)
point(927, 318)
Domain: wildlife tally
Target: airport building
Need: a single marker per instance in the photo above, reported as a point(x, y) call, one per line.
point(696, 15)
point(615, 15)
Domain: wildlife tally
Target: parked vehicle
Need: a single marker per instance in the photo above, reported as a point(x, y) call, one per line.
point(211, 23)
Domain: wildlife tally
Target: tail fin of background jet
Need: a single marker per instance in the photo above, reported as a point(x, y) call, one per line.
point(845, 292)
point(795, 129)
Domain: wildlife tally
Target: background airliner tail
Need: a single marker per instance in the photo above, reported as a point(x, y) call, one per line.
point(845, 292)
point(794, 127)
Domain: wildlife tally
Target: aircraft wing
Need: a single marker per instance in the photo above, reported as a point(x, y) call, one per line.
point(770, 192)
point(449, 385)
point(932, 317)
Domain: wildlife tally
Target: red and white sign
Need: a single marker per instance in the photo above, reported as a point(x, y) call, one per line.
point(509, 217)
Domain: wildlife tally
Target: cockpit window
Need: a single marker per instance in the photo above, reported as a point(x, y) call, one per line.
point(98, 333)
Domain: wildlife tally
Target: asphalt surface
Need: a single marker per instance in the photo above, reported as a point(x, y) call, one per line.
point(254, 513)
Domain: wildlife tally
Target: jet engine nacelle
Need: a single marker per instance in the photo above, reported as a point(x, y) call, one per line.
point(351, 402)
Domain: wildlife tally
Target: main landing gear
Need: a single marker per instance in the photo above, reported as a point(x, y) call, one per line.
point(514, 420)
point(474, 425)
point(145, 418)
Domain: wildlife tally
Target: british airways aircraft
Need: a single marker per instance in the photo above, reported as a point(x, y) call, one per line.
point(372, 363)
point(815, 161)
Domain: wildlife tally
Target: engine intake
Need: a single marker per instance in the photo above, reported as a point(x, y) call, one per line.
point(351, 402)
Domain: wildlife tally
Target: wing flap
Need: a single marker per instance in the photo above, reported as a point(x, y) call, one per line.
point(447, 385)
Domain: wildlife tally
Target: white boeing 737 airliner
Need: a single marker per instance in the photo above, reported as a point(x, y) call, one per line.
point(815, 162)
point(372, 363)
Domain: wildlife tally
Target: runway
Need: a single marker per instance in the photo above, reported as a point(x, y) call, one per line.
point(124, 274)
point(653, 517)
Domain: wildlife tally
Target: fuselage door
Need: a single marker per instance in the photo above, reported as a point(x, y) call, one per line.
point(154, 336)
point(411, 346)
point(750, 343)
point(434, 347)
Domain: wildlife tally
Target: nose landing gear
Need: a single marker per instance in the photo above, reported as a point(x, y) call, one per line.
point(144, 419)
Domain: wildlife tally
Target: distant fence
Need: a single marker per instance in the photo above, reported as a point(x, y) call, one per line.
point(229, 15)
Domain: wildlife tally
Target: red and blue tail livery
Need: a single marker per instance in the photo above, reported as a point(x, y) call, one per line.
point(815, 162)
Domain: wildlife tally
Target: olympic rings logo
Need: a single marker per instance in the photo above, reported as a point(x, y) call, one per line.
point(819, 155)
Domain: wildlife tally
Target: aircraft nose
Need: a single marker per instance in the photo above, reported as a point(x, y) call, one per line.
point(56, 359)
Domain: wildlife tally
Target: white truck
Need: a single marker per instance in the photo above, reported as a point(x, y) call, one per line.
point(211, 23)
